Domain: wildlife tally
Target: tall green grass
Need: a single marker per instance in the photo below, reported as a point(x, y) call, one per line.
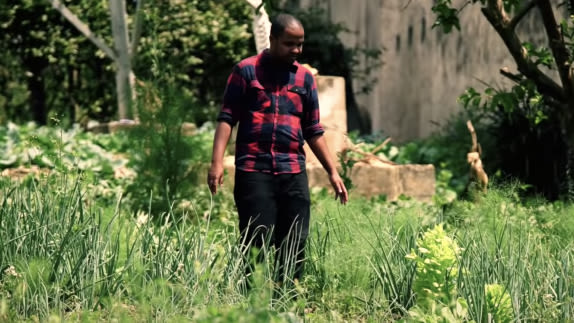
point(65, 255)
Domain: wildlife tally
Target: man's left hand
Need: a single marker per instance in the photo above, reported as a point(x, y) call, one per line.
point(339, 187)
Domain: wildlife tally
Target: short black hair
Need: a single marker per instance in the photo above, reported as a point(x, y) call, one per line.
point(282, 21)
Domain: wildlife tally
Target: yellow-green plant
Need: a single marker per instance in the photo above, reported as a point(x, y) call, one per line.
point(498, 304)
point(437, 271)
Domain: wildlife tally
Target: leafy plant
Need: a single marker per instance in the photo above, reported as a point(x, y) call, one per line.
point(198, 42)
point(437, 263)
point(60, 149)
point(499, 304)
point(161, 155)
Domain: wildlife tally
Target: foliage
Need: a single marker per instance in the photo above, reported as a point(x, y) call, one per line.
point(57, 71)
point(52, 71)
point(55, 75)
point(347, 164)
point(447, 16)
point(514, 229)
point(522, 97)
point(532, 117)
point(59, 149)
point(522, 123)
point(393, 272)
point(69, 255)
point(165, 159)
point(437, 261)
point(198, 42)
point(499, 303)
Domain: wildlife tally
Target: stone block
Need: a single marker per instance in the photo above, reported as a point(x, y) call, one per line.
point(376, 179)
point(418, 181)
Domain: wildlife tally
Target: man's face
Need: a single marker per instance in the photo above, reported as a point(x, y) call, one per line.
point(288, 46)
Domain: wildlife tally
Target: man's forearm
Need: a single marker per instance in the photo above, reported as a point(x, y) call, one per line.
point(318, 145)
point(220, 140)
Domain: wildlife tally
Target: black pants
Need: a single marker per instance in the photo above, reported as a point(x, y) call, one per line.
point(274, 209)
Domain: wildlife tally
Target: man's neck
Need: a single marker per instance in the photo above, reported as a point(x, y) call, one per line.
point(277, 62)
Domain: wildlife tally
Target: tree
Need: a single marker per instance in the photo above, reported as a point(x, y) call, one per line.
point(52, 71)
point(197, 42)
point(124, 50)
point(555, 98)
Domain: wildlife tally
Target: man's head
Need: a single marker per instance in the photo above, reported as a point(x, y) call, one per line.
point(286, 39)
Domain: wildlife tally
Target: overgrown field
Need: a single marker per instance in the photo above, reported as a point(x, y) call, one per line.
point(75, 247)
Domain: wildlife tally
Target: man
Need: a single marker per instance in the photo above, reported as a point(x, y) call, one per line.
point(275, 101)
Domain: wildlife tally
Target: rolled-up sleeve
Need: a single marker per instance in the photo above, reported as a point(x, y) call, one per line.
point(233, 97)
point(311, 125)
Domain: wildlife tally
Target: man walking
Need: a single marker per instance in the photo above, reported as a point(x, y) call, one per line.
point(274, 99)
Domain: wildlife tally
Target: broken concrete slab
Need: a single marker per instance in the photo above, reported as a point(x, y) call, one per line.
point(374, 179)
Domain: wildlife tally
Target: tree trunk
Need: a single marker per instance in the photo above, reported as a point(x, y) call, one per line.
point(569, 178)
point(71, 89)
point(37, 96)
point(122, 54)
point(123, 63)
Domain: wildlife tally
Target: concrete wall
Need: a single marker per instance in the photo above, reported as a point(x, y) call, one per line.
point(424, 70)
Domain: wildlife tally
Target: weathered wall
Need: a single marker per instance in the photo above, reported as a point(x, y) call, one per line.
point(424, 70)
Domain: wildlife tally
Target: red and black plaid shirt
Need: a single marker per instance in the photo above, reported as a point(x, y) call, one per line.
point(277, 108)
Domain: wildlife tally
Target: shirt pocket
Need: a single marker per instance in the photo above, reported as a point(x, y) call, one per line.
point(296, 96)
point(258, 97)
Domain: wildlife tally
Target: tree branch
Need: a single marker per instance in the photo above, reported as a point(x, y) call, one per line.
point(83, 28)
point(497, 17)
point(521, 14)
point(517, 78)
point(496, 8)
point(137, 29)
point(559, 50)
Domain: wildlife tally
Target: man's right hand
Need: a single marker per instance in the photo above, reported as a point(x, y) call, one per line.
point(220, 139)
point(215, 177)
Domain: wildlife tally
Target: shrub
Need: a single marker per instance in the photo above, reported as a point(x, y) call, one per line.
point(161, 155)
point(437, 273)
point(498, 304)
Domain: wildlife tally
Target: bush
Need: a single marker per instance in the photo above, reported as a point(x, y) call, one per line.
point(161, 155)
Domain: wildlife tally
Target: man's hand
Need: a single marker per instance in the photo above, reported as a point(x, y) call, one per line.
point(215, 177)
point(339, 187)
point(319, 147)
point(220, 139)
